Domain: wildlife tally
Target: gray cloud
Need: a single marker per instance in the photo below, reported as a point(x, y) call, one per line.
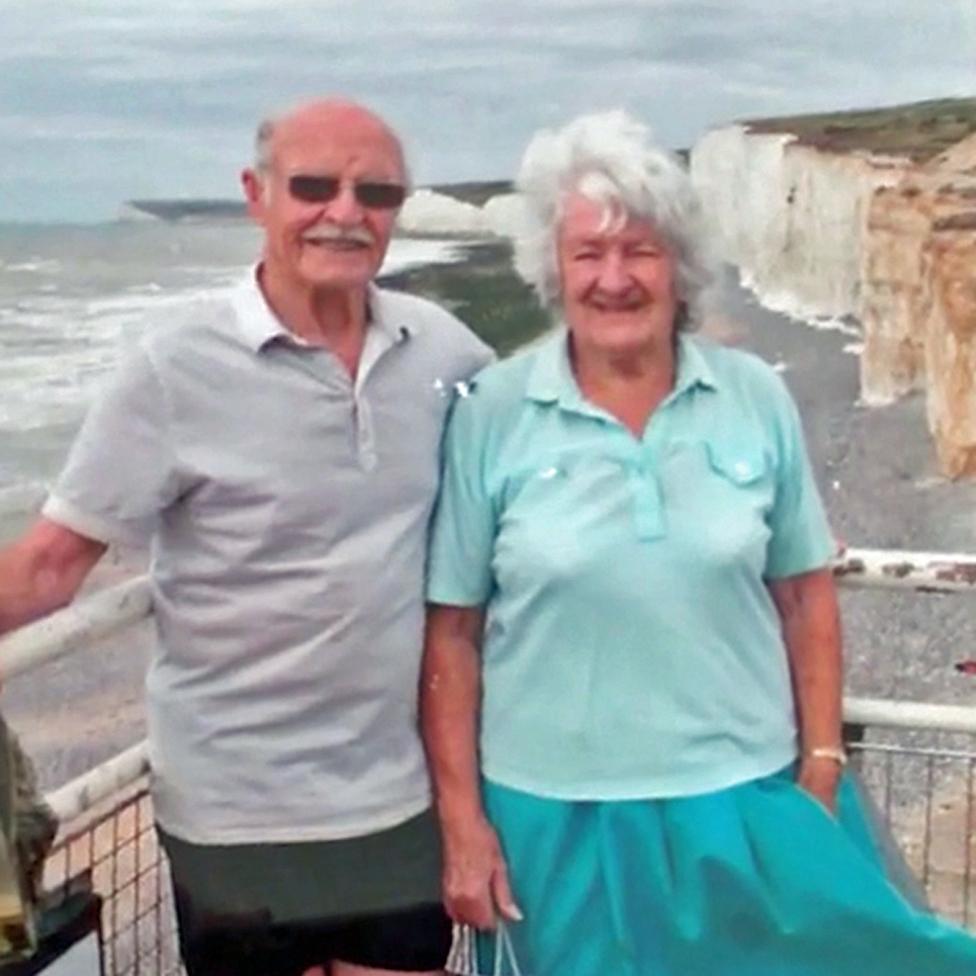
point(108, 99)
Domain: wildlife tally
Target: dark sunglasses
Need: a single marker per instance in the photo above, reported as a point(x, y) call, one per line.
point(322, 189)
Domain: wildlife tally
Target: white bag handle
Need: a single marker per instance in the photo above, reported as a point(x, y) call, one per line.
point(505, 950)
point(464, 960)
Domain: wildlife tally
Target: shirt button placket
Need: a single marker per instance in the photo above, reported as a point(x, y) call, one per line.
point(648, 507)
point(365, 439)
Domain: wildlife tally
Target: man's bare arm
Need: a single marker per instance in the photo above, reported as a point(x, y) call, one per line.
point(42, 571)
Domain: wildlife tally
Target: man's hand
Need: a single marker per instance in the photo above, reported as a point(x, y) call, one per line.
point(476, 886)
point(820, 777)
point(42, 572)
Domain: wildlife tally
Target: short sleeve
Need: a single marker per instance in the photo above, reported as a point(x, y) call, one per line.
point(801, 540)
point(121, 473)
point(464, 523)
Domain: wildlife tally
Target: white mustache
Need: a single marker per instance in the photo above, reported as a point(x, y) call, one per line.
point(343, 235)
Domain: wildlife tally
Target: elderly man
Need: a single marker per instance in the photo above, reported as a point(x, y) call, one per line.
point(279, 445)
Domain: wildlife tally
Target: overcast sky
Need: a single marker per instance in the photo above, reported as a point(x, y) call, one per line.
point(104, 100)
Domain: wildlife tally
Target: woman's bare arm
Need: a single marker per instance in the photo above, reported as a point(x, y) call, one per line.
point(807, 606)
point(476, 886)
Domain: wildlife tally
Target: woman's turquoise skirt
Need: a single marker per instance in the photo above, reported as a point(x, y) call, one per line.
point(756, 880)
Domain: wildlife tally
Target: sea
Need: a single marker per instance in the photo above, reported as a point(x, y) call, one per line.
point(71, 299)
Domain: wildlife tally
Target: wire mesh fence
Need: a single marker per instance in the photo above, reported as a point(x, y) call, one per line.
point(923, 785)
point(924, 791)
point(116, 847)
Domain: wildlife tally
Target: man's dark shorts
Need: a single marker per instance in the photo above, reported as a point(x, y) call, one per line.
point(279, 909)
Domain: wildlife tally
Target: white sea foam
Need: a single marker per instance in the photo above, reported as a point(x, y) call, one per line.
point(789, 305)
point(56, 350)
point(21, 499)
point(405, 253)
point(57, 346)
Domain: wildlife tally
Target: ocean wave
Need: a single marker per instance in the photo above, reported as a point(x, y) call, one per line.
point(789, 305)
point(56, 348)
point(21, 499)
point(405, 253)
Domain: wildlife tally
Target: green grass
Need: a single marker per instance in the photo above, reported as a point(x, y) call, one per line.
point(484, 292)
point(919, 131)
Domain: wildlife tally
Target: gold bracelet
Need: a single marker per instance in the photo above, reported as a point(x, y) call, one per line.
point(834, 753)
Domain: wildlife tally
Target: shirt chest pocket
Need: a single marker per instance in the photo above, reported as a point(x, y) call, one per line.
point(720, 494)
point(739, 485)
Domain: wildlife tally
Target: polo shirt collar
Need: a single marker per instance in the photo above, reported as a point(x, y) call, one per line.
point(383, 315)
point(551, 379)
point(259, 326)
point(694, 370)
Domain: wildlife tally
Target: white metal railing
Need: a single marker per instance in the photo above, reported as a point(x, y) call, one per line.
point(119, 606)
point(109, 817)
point(88, 790)
point(886, 714)
point(91, 788)
point(106, 612)
point(925, 572)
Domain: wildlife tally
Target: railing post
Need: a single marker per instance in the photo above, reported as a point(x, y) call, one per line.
point(853, 734)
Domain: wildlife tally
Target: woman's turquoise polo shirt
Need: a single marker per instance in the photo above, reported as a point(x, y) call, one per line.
point(632, 648)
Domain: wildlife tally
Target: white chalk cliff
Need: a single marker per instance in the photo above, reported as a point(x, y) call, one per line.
point(888, 242)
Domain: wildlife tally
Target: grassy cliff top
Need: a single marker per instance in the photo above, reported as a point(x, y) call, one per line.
point(484, 292)
point(919, 131)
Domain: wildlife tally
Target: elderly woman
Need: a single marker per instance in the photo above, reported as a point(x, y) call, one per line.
point(632, 688)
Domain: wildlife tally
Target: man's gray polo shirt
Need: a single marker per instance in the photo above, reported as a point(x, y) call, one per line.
point(288, 511)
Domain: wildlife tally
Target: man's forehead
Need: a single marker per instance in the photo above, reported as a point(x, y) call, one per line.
point(341, 131)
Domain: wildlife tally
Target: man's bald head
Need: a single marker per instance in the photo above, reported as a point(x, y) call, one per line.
point(335, 238)
point(338, 115)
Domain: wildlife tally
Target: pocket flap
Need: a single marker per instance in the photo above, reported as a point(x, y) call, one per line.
point(741, 464)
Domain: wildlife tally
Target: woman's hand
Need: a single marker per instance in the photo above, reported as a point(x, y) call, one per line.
point(820, 777)
point(476, 886)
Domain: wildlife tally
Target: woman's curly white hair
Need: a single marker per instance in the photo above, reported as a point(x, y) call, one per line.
point(611, 158)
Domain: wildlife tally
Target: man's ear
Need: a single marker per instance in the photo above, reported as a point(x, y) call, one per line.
point(254, 193)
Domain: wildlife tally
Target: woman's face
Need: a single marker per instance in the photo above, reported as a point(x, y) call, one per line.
point(617, 283)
